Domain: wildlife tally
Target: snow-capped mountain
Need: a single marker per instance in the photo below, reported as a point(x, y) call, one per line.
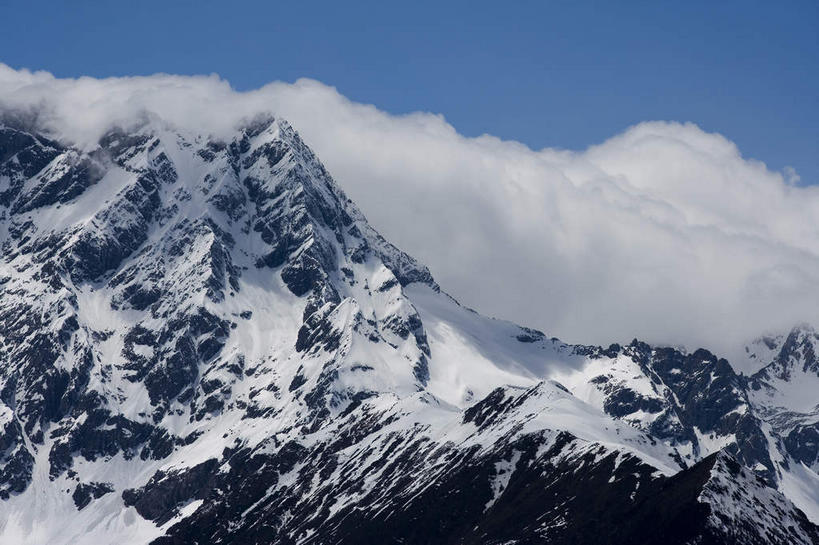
point(204, 341)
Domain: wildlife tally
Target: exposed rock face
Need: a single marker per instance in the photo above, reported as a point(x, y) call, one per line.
point(85, 493)
point(204, 341)
point(694, 401)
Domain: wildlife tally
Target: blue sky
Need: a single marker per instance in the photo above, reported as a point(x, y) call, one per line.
point(563, 74)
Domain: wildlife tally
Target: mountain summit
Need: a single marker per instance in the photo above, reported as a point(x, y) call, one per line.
point(204, 341)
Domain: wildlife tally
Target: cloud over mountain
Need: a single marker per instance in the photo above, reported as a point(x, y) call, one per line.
point(664, 232)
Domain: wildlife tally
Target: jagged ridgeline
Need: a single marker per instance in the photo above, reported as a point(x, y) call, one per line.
point(202, 340)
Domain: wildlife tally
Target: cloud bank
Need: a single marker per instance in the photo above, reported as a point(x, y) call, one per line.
point(664, 232)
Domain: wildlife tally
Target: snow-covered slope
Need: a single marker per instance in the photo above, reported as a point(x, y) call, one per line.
point(204, 341)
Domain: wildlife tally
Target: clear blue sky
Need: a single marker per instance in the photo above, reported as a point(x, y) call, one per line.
point(566, 74)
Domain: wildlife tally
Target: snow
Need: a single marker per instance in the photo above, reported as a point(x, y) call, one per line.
point(798, 394)
point(46, 513)
point(468, 355)
point(757, 354)
point(472, 354)
point(503, 472)
point(711, 442)
point(801, 485)
point(737, 498)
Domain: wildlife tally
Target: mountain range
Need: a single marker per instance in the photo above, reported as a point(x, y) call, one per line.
point(202, 340)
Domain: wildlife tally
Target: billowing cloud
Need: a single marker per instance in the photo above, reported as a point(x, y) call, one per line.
point(664, 232)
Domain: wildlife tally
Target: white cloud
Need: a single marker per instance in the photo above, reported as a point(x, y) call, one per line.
point(663, 232)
